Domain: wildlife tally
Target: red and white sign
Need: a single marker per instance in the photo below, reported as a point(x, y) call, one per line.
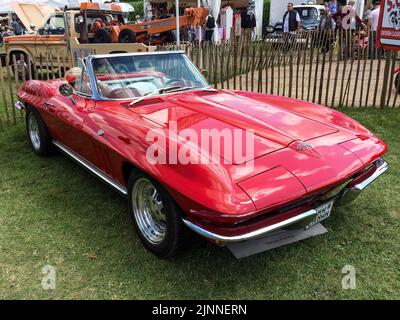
point(388, 35)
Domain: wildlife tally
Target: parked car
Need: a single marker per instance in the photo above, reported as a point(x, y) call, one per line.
point(107, 114)
point(310, 16)
point(64, 34)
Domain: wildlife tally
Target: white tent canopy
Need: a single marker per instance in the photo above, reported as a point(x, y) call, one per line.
point(5, 5)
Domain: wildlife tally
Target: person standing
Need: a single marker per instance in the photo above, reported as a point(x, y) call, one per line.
point(209, 27)
point(326, 28)
point(291, 24)
point(333, 6)
point(368, 12)
point(15, 25)
point(373, 26)
point(291, 19)
point(346, 19)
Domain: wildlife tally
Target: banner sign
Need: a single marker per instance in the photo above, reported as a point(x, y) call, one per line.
point(388, 35)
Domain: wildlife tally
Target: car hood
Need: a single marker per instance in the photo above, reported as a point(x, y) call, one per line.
point(310, 23)
point(32, 13)
point(272, 126)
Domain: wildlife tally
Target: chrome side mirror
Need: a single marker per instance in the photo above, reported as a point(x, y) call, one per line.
point(204, 72)
point(66, 90)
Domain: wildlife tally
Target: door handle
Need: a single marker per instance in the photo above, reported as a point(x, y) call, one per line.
point(48, 105)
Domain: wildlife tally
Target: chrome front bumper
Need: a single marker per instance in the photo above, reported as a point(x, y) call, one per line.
point(304, 217)
point(353, 191)
point(347, 195)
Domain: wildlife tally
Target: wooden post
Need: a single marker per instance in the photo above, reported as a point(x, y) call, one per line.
point(386, 77)
point(247, 66)
point(234, 64)
point(365, 58)
point(356, 85)
point(3, 94)
point(328, 81)
point(391, 80)
point(378, 74)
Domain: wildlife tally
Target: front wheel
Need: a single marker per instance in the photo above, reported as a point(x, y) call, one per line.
point(157, 219)
point(20, 65)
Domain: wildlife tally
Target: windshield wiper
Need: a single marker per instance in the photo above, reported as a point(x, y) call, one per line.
point(161, 90)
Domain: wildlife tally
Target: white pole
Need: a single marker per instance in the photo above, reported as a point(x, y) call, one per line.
point(200, 38)
point(178, 40)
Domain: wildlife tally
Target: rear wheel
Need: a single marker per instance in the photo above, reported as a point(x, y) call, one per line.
point(127, 36)
point(171, 36)
point(157, 219)
point(102, 36)
point(39, 137)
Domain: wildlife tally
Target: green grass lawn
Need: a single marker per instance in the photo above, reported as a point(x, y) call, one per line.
point(54, 213)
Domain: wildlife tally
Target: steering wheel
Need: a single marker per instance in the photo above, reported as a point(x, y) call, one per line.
point(180, 82)
point(59, 30)
point(122, 68)
point(172, 81)
point(115, 23)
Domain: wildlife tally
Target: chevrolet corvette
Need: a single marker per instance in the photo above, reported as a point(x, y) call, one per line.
point(136, 120)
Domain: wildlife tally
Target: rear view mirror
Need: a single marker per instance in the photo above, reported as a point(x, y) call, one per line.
point(66, 90)
point(33, 26)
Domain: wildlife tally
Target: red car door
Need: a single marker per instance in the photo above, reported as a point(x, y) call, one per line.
point(66, 118)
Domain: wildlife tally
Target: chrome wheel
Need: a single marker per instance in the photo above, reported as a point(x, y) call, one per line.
point(33, 129)
point(148, 211)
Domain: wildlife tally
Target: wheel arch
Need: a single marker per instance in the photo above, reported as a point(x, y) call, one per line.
point(20, 50)
point(127, 169)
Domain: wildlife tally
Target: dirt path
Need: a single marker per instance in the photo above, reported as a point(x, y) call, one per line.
point(341, 87)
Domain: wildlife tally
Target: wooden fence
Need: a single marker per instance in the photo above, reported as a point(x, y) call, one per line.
point(332, 69)
point(324, 68)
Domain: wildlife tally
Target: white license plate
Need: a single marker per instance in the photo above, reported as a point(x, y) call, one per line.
point(323, 212)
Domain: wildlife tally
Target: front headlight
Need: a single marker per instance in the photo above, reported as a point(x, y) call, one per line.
point(269, 29)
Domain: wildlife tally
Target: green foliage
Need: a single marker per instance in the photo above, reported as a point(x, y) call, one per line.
point(138, 6)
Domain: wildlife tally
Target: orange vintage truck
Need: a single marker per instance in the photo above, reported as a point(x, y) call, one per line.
point(91, 28)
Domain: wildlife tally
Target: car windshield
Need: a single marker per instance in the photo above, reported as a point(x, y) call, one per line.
point(133, 76)
point(308, 13)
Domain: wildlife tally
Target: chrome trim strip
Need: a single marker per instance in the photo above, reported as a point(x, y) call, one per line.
point(87, 165)
point(254, 234)
point(19, 105)
point(128, 54)
point(378, 172)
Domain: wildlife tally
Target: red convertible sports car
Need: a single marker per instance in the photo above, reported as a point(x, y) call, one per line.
point(229, 165)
